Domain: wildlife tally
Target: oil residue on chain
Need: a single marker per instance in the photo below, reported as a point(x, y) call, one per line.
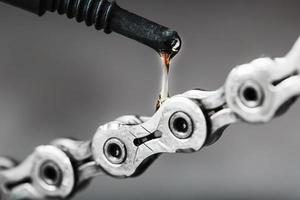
point(164, 93)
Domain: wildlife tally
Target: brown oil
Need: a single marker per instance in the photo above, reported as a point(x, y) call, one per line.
point(164, 93)
point(166, 57)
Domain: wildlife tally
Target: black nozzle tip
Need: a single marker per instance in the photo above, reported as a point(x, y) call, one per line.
point(172, 43)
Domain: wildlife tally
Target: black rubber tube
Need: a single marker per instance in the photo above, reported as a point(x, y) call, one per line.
point(107, 15)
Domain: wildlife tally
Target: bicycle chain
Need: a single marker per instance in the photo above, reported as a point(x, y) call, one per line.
point(253, 93)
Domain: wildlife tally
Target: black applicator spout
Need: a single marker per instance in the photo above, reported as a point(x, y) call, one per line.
point(107, 15)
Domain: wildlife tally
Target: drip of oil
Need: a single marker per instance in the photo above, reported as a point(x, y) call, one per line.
point(164, 93)
point(166, 57)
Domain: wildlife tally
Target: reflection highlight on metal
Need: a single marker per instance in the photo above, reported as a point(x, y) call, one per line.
point(253, 93)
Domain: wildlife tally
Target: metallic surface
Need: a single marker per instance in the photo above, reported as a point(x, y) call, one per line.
point(150, 138)
point(25, 182)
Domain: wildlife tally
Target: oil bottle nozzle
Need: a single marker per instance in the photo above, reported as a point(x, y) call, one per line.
point(107, 15)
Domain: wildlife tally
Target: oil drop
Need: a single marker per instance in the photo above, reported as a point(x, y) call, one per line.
point(166, 56)
point(164, 92)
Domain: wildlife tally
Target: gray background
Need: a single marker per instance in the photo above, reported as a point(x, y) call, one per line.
point(59, 78)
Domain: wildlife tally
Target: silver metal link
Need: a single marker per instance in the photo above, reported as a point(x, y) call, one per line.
point(46, 173)
point(141, 142)
point(257, 90)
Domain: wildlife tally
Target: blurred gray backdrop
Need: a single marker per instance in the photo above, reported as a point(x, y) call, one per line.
point(59, 78)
